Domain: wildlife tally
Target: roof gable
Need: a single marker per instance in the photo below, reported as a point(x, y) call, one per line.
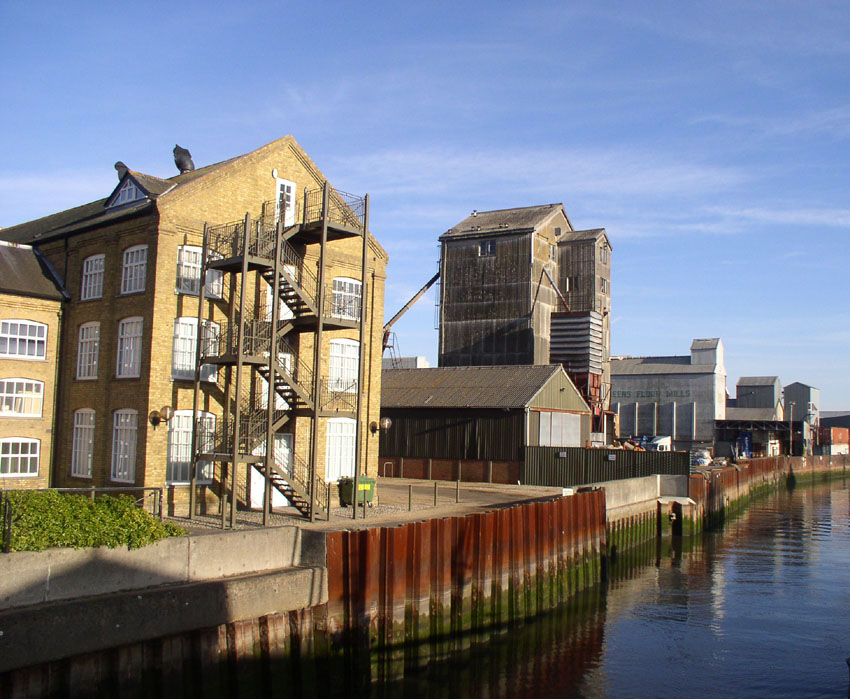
point(464, 387)
point(505, 221)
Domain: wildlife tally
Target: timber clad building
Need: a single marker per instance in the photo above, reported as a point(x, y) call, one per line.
point(289, 315)
point(480, 414)
point(522, 287)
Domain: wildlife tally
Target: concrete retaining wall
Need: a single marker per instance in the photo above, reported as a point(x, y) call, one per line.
point(62, 574)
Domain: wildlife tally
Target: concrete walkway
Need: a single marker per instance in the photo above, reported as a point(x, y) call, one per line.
point(392, 506)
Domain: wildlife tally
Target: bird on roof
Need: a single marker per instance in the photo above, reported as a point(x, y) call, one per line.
point(183, 159)
point(121, 168)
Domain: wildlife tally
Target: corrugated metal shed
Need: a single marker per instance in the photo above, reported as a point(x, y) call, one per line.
point(466, 387)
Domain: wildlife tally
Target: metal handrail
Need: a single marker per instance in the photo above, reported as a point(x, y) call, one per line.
point(339, 395)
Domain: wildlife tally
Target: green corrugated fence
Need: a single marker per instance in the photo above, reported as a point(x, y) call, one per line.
point(568, 466)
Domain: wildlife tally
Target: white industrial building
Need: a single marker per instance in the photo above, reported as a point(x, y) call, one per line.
point(678, 396)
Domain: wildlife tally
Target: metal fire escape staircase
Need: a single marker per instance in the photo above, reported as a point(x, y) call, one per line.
point(268, 345)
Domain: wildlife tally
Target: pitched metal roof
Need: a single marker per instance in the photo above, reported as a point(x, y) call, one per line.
point(638, 366)
point(522, 219)
point(706, 343)
point(750, 414)
point(591, 234)
point(464, 387)
point(758, 381)
point(24, 272)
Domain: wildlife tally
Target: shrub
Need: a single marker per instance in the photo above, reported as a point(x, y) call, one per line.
point(44, 519)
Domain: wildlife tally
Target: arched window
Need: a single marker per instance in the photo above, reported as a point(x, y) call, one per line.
point(184, 348)
point(129, 363)
point(179, 465)
point(82, 449)
point(92, 282)
point(345, 298)
point(19, 457)
point(88, 349)
point(343, 365)
point(23, 339)
point(134, 270)
point(21, 397)
point(125, 426)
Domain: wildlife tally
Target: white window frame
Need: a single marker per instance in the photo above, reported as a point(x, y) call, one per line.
point(129, 361)
point(184, 346)
point(134, 269)
point(91, 285)
point(88, 350)
point(23, 339)
point(346, 298)
point(125, 429)
point(20, 397)
point(343, 365)
point(288, 189)
point(179, 459)
point(605, 285)
point(128, 193)
point(189, 273)
point(340, 449)
point(82, 443)
point(487, 248)
point(17, 451)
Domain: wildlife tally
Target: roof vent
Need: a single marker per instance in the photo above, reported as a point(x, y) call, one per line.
point(121, 169)
point(183, 159)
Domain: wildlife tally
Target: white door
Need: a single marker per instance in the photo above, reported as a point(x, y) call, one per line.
point(283, 459)
point(339, 458)
point(286, 201)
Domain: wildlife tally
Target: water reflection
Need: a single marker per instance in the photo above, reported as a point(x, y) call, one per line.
point(761, 607)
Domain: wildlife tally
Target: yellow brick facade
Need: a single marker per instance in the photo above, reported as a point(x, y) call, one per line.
point(16, 427)
point(178, 218)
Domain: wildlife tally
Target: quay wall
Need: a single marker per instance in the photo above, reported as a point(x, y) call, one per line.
point(418, 590)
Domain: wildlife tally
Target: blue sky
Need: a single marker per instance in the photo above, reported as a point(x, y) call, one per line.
point(709, 139)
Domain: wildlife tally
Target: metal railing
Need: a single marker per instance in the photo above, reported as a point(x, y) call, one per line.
point(338, 395)
point(345, 209)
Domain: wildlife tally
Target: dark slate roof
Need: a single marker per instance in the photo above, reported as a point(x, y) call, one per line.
point(750, 414)
point(706, 343)
point(758, 380)
point(24, 272)
point(637, 366)
point(591, 234)
point(518, 220)
point(95, 213)
point(464, 387)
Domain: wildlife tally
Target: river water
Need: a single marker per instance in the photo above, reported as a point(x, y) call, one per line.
point(760, 607)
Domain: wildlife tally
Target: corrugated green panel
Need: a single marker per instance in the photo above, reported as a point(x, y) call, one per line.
point(449, 434)
point(563, 467)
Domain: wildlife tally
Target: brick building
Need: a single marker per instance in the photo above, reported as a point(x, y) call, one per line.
point(133, 360)
point(31, 295)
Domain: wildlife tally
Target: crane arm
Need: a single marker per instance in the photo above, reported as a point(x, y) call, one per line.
point(406, 307)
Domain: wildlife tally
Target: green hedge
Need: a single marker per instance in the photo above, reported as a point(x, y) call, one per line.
point(44, 519)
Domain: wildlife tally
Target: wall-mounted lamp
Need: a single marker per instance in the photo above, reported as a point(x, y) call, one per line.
point(164, 414)
point(384, 424)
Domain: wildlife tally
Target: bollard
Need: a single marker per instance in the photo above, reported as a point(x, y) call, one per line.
point(457, 491)
point(329, 502)
point(435, 493)
point(409, 498)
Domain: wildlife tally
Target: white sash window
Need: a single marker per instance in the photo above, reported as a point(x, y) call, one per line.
point(82, 450)
point(125, 426)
